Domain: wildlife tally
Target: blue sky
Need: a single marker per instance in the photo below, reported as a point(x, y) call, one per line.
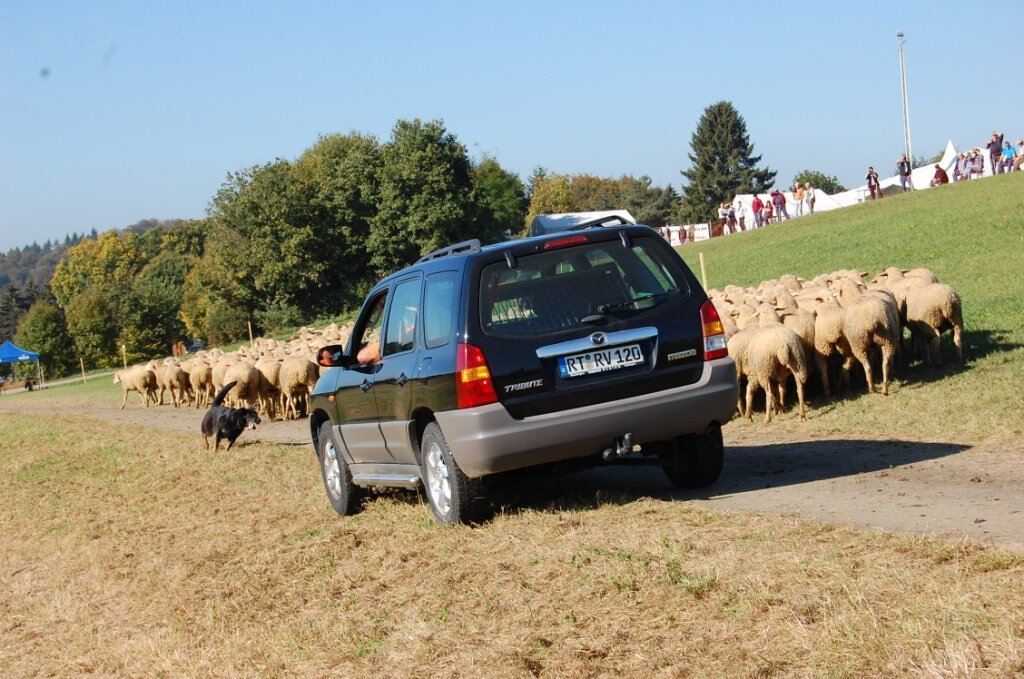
point(146, 106)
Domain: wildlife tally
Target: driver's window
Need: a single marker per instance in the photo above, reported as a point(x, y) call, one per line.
point(371, 330)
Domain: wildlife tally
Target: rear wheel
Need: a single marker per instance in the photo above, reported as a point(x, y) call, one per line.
point(694, 461)
point(450, 493)
point(345, 497)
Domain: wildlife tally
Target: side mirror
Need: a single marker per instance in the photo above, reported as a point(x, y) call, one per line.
point(333, 356)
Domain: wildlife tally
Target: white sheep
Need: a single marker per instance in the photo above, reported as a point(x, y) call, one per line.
point(931, 310)
point(774, 353)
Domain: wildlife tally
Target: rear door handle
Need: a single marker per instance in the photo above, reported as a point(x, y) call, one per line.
point(402, 379)
point(423, 371)
point(366, 385)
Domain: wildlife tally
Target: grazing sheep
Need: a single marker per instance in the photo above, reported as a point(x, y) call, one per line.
point(168, 379)
point(247, 388)
point(738, 344)
point(269, 384)
point(774, 353)
point(201, 380)
point(799, 321)
point(830, 340)
point(792, 282)
point(868, 325)
point(744, 315)
point(931, 310)
point(138, 378)
point(297, 376)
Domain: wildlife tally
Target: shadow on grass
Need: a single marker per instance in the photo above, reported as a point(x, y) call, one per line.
point(747, 469)
point(978, 344)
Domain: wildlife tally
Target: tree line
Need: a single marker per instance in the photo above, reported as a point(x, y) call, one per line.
point(293, 240)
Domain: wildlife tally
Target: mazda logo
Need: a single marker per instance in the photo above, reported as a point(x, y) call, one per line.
point(598, 338)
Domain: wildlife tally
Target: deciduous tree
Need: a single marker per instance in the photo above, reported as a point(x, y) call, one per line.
point(819, 180)
point(426, 196)
point(42, 330)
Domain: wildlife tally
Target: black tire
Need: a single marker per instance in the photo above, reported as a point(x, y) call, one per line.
point(345, 497)
point(695, 461)
point(460, 503)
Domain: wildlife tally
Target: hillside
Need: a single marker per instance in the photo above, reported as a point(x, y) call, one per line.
point(972, 236)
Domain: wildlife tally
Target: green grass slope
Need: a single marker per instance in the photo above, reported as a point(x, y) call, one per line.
point(972, 236)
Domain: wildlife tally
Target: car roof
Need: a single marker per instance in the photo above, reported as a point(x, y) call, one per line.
point(459, 260)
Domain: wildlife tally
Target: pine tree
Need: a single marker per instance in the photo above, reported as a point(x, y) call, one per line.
point(724, 164)
point(10, 311)
point(29, 294)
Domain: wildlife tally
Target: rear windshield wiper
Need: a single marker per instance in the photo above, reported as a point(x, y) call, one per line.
point(608, 306)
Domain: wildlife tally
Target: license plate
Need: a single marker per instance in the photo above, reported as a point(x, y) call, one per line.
point(600, 360)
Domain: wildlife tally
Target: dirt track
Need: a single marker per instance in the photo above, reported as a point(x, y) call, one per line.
point(944, 489)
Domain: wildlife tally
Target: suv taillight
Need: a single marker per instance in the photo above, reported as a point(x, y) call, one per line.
point(715, 341)
point(473, 385)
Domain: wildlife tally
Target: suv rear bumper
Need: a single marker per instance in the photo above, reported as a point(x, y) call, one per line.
point(487, 440)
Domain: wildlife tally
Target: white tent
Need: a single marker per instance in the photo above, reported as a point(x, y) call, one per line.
point(921, 178)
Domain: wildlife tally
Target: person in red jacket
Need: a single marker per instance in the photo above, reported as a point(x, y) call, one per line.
point(757, 206)
point(940, 177)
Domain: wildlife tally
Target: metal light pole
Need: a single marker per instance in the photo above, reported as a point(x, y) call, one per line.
point(906, 102)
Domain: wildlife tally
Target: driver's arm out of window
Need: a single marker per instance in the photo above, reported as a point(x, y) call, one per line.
point(368, 355)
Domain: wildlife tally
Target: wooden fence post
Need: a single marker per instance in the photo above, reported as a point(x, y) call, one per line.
point(82, 363)
point(703, 271)
point(251, 342)
point(124, 357)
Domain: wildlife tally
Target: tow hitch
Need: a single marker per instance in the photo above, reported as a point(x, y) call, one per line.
point(621, 447)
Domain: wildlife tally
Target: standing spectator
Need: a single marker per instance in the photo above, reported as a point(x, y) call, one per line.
point(779, 201)
point(767, 212)
point(1009, 153)
point(758, 208)
point(798, 199)
point(940, 177)
point(809, 197)
point(722, 211)
point(873, 186)
point(741, 216)
point(730, 218)
point(903, 167)
point(995, 150)
point(1020, 155)
point(975, 164)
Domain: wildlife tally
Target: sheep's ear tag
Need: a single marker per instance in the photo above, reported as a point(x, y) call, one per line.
point(331, 398)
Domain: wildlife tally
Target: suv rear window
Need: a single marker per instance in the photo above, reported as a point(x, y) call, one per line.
point(553, 291)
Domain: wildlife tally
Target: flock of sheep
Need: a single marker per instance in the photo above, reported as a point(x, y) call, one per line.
point(790, 327)
point(271, 376)
point(785, 327)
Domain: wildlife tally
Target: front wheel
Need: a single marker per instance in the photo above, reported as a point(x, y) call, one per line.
point(345, 497)
point(695, 461)
point(450, 493)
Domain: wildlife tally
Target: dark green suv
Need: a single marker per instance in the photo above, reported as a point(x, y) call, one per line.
point(592, 346)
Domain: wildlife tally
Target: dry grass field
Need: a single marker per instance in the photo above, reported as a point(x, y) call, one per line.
point(129, 551)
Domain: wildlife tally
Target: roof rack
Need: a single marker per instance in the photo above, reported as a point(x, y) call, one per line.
point(608, 220)
point(466, 246)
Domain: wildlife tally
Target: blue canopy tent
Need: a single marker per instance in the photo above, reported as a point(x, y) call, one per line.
point(11, 353)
